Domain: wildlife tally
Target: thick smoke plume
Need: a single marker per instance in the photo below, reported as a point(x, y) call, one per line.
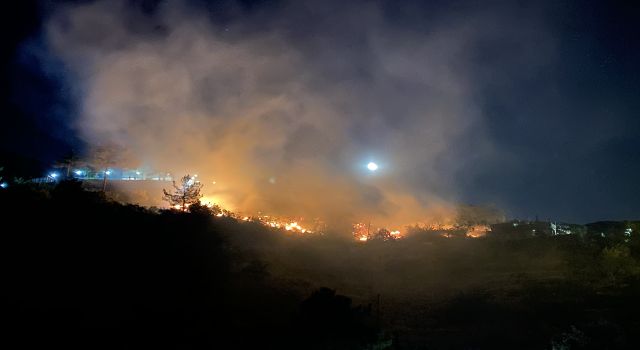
point(283, 108)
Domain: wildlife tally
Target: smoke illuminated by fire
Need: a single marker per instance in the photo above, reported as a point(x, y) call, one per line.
point(277, 123)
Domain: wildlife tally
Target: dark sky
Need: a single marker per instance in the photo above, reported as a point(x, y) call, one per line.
point(564, 121)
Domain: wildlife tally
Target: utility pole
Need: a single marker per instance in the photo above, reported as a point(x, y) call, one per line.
point(104, 181)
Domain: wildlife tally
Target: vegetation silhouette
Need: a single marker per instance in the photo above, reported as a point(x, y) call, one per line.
point(83, 271)
point(188, 193)
point(86, 272)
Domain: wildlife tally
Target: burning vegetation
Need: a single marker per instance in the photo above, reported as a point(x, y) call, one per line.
point(361, 232)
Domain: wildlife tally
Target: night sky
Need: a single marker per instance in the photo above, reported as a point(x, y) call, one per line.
point(555, 87)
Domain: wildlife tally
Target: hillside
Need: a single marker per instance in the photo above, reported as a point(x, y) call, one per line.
point(87, 272)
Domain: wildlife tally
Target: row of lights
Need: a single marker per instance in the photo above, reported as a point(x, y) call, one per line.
point(79, 172)
point(54, 175)
point(371, 166)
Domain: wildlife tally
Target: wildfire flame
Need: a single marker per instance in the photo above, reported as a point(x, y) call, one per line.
point(478, 231)
point(361, 232)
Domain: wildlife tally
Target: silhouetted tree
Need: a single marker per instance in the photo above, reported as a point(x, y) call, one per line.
point(186, 194)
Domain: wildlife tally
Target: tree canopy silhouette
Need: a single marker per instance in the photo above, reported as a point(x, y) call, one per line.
point(186, 194)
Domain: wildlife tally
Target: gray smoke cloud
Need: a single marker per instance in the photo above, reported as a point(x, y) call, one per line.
point(284, 108)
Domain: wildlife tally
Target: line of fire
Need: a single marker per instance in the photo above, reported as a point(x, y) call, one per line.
point(362, 232)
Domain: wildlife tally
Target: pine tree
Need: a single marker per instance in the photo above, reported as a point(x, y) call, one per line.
point(186, 194)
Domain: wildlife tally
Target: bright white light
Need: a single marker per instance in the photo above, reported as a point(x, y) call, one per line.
point(372, 166)
point(53, 175)
point(4, 185)
point(108, 172)
point(137, 173)
point(78, 172)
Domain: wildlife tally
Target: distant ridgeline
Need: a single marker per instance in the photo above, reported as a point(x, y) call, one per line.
point(604, 229)
point(619, 231)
